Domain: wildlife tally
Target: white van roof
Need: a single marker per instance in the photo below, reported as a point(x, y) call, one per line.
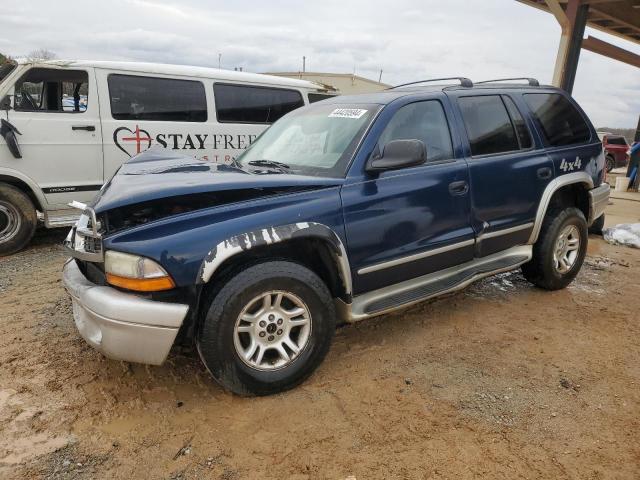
point(182, 70)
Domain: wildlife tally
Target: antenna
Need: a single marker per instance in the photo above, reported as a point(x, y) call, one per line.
point(380, 77)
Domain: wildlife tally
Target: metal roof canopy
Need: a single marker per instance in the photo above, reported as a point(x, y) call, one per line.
point(615, 17)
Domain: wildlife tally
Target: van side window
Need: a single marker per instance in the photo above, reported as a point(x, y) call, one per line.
point(52, 90)
point(317, 97)
point(524, 137)
point(249, 104)
point(135, 97)
point(424, 121)
point(561, 123)
point(488, 125)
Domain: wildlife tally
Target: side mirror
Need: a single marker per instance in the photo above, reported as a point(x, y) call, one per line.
point(399, 154)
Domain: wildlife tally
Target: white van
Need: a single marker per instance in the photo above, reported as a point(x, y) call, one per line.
point(66, 126)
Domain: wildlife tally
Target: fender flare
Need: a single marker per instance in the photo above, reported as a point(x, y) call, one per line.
point(236, 244)
point(553, 186)
point(33, 186)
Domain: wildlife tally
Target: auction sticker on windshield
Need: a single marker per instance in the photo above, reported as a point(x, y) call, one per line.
point(347, 113)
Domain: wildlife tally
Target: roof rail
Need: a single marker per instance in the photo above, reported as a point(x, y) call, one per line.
point(465, 82)
point(532, 81)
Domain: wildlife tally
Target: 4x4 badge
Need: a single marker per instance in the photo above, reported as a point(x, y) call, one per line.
point(140, 136)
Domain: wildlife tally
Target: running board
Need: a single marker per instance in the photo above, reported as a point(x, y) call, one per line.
point(412, 291)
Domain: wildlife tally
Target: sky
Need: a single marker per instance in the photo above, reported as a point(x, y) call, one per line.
point(406, 39)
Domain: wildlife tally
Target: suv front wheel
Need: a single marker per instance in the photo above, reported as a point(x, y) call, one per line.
point(267, 329)
point(560, 250)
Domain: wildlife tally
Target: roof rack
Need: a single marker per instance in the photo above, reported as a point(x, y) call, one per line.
point(532, 81)
point(465, 82)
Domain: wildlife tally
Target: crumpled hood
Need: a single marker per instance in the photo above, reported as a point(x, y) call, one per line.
point(157, 174)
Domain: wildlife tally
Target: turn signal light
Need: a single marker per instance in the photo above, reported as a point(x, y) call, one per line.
point(141, 284)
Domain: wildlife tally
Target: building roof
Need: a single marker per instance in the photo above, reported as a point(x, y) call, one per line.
point(328, 74)
point(183, 70)
point(615, 17)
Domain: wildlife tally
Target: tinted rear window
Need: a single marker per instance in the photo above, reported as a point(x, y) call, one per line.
point(249, 104)
point(161, 99)
point(521, 128)
point(488, 125)
point(561, 123)
point(617, 140)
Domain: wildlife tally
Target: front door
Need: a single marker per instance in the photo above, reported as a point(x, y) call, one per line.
point(508, 175)
point(57, 112)
point(402, 224)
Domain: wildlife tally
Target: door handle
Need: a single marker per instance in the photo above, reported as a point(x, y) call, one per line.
point(544, 173)
point(458, 188)
point(88, 128)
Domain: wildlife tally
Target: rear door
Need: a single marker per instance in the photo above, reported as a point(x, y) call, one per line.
point(508, 173)
point(58, 114)
point(402, 224)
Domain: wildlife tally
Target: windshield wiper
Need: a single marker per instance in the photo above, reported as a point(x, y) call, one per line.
point(269, 163)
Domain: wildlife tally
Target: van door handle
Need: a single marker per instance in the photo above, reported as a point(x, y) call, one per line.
point(88, 128)
point(545, 173)
point(458, 188)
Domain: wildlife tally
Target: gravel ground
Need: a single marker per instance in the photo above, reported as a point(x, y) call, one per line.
point(501, 380)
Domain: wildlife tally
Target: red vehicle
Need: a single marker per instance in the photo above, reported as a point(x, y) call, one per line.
point(616, 150)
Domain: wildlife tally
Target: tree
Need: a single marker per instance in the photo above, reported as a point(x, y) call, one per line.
point(42, 54)
point(4, 59)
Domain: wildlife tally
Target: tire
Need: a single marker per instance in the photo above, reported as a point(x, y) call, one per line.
point(610, 164)
point(542, 270)
point(221, 344)
point(18, 219)
point(597, 226)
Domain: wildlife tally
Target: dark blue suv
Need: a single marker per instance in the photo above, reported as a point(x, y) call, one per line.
point(342, 210)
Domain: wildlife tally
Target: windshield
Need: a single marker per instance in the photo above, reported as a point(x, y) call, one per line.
point(5, 70)
point(317, 140)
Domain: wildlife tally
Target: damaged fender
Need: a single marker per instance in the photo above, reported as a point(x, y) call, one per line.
point(267, 236)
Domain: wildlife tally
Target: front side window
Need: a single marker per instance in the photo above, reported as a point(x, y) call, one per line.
point(317, 140)
point(423, 121)
point(561, 123)
point(52, 90)
point(250, 104)
point(488, 125)
point(135, 97)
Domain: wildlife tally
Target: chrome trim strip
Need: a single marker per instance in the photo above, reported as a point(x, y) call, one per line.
point(415, 256)
point(505, 231)
point(352, 312)
point(555, 184)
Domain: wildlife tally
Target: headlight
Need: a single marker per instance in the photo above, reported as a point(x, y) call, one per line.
point(135, 273)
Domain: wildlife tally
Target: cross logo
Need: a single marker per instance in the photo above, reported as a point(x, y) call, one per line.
point(140, 136)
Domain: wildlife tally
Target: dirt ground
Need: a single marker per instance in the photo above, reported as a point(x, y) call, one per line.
point(501, 380)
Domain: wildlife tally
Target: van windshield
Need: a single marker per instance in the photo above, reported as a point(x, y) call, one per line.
point(317, 140)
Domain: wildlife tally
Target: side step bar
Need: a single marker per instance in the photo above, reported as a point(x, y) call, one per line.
point(422, 288)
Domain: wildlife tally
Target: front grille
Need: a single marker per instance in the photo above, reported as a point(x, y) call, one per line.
point(92, 245)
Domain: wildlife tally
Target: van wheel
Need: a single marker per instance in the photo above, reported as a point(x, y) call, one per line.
point(18, 219)
point(267, 329)
point(560, 250)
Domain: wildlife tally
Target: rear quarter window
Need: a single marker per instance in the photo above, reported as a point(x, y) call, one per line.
point(561, 123)
point(253, 104)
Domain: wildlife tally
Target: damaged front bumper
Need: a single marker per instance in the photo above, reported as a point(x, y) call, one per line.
point(120, 325)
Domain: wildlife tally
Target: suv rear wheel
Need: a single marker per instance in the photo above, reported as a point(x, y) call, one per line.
point(267, 329)
point(18, 219)
point(560, 250)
